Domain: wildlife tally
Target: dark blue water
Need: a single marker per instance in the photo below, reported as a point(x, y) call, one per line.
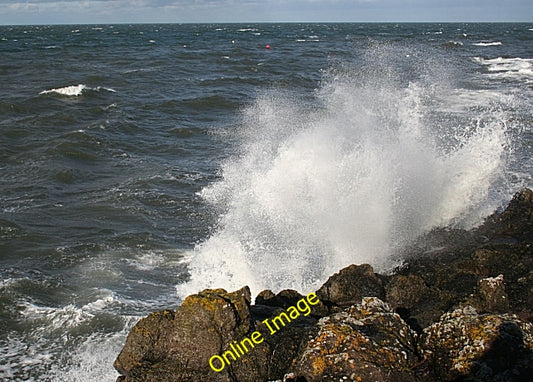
point(139, 163)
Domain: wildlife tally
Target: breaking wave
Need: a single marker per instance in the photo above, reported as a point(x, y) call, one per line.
point(375, 161)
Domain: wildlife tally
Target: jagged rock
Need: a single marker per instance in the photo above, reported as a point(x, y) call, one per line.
point(266, 297)
point(490, 296)
point(141, 346)
point(515, 263)
point(178, 346)
point(168, 346)
point(405, 291)
point(350, 285)
point(453, 262)
point(514, 224)
point(361, 338)
point(367, 342)
point(468, 346)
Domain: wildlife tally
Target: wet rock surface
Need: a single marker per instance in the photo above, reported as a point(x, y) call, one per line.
point(460, 308)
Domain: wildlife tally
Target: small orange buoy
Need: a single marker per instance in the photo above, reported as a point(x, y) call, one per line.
point(268, 46)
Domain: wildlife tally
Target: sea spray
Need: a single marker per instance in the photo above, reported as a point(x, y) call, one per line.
point(354, 180)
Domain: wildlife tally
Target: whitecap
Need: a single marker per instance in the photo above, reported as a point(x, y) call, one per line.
point(488, 43)
point(513, 68)
point(75, 90)
point(454, 44)
point(147, 261)
point(98, 88)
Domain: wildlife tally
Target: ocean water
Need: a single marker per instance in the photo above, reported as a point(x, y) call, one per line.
point(141, 163)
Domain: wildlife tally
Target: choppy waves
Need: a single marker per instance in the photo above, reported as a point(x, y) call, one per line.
point(129, 167)
point(60, 344)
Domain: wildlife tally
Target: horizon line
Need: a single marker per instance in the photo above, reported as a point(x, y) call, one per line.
point(263, 22)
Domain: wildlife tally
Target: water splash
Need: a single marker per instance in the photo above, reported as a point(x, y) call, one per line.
point(378, 160)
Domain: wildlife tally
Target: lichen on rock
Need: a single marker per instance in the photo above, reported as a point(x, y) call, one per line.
point(460, 308)
point(367, 341)
point(176, 346)
point(485, 347)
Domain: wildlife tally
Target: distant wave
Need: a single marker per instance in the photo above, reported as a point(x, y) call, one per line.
point(453, 44)
point(75, 90)
point(516, 68)
point(488, 43)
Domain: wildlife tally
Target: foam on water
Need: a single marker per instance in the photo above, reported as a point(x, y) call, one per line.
point(512, 68)
point(80, 339)
point(488, 43)
point(59, 344)
point(75, 90)
point(353, 181)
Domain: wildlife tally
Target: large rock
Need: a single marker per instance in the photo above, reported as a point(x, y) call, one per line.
point(514, 262)
point(367, 342)
point(284, 299)
point(168, 346)
point(350, 285)
point(179, 346)
point(406, 291)
point(458, 309)
point(143, 345)
point(452, 263)
point(464, 345)
point(490, 296)
point(514, 224)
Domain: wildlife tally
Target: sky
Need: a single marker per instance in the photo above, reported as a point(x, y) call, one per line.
point(191, 11)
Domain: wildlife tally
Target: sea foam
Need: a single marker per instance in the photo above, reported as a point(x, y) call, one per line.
point(75, 90)
point(512, 68)
point(488, 43)
point(354, 179)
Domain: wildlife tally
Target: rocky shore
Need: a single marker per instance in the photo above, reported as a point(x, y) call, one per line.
point(460, 309)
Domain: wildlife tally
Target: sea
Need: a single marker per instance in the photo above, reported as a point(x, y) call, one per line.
point(142, 163)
